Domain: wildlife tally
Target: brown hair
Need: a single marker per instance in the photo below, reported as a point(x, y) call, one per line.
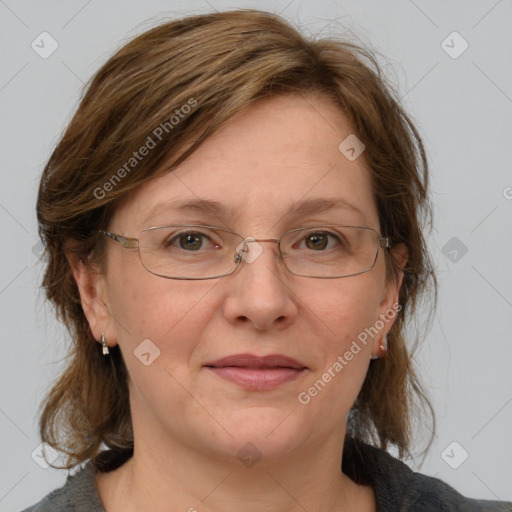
point(217, 64)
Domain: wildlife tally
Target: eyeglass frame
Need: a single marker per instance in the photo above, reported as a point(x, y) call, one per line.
point(133, 243)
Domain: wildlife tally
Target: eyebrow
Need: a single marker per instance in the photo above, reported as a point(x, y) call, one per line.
point(208, 206)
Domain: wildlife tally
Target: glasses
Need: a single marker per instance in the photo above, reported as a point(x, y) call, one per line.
point(195, 251)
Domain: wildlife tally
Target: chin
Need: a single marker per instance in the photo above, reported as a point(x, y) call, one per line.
point(270, 430)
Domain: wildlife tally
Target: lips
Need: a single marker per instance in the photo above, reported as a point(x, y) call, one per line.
point(250, 361)
point(254, 373)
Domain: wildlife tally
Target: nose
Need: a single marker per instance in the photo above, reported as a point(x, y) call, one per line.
point(258, 291)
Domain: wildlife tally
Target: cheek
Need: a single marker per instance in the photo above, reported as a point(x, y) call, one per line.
point(340, 314)
point(145, 306)
point(343, 315)
point(346, 307)
point(159, 324)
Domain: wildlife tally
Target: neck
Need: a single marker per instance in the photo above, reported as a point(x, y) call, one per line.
point(187, 480)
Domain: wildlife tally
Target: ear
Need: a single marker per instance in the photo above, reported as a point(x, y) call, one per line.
point(92, 287)
point(389, 307)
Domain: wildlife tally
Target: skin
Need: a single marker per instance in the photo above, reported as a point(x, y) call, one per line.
point(188, 423)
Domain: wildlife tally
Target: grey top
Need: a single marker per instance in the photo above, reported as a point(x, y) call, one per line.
point(397, 488)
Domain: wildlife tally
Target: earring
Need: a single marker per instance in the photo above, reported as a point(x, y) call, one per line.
point(383, 347)
point(104, 344)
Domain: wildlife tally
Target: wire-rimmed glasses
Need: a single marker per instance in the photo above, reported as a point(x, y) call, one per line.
point(197, 251)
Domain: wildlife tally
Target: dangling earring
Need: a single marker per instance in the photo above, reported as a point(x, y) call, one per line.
point(104, 344)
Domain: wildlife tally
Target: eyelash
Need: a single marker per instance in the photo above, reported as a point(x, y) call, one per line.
point(169, 242)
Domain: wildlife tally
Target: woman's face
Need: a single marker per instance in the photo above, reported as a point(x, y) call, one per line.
point(274, 155)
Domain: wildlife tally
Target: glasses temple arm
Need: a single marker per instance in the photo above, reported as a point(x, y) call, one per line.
point(128, 243)
point(385, 242)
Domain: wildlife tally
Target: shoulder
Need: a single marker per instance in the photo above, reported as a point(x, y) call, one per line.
point(78, 494)
point(397, 487)
point(433, 494)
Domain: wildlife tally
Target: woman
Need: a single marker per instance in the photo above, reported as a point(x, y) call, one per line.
point(232, 222)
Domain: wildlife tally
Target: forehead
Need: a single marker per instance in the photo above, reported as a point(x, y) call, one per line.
point(275, 154)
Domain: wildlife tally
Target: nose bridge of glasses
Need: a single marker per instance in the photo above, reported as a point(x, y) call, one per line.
point(249, 253)
point(251, 239)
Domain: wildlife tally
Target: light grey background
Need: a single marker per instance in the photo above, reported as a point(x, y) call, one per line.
point(463, 107)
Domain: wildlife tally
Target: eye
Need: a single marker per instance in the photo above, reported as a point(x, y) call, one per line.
point(319, 240)
point(188, 240)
